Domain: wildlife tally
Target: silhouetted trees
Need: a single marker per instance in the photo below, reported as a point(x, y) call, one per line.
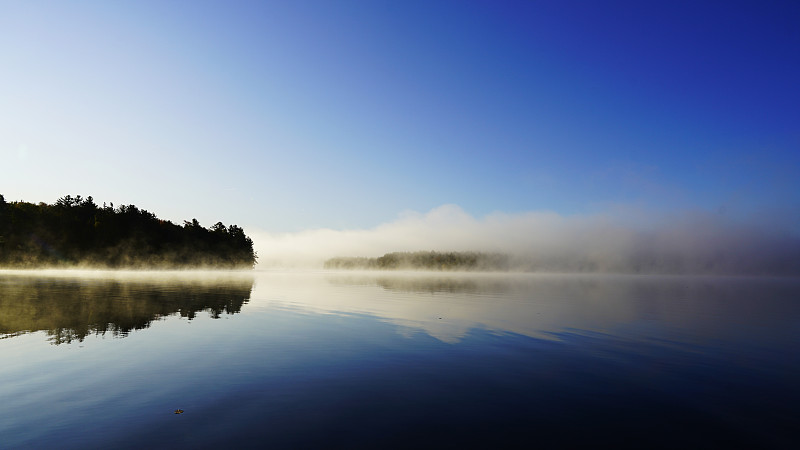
point(424, 261)
point(76, 231)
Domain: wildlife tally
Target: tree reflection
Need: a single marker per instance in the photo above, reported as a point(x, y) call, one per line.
point(70, 309)
point(422, 284)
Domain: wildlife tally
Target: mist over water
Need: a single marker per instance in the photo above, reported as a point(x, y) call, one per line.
point(689, 243)
point(369, 359)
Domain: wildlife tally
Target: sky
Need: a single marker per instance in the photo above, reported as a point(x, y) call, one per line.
point(290, 116)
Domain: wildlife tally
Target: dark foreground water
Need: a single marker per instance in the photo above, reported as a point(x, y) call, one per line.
point(377, 360)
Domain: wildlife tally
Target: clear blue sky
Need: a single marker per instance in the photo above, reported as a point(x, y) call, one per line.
point(290, 115)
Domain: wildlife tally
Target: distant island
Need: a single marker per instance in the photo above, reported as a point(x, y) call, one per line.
point(423, 260)
point(76, 232)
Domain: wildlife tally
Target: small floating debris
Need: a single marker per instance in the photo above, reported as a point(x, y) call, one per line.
point(178, 411)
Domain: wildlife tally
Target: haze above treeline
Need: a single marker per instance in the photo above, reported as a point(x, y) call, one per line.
point(76, 232)
point(639, 242)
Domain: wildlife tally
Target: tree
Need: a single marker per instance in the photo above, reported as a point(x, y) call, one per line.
point(74, 230)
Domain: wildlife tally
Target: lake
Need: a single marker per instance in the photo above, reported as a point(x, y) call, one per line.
point(315, 359)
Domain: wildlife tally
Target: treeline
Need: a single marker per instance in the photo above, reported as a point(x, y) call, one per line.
point(77, 232)
point(424, 261)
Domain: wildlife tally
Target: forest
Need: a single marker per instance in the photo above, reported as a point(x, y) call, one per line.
point(423, 260)
point(76, 232)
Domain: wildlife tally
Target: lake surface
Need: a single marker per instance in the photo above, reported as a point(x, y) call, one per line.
point(383, 359)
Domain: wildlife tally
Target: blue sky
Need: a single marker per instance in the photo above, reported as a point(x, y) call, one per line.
point(288, 116)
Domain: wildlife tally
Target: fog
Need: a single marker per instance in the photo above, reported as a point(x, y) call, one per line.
point(449, 306)
point(208, 275)
point(623, 242)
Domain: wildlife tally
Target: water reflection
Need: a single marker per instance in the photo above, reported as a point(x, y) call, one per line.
point(427, 284)
point(545, 305)
point(70, 307)
point(377, 360)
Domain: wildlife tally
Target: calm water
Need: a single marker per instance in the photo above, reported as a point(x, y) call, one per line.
point(375, 360)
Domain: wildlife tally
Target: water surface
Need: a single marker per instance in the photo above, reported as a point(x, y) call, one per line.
point(379, 359)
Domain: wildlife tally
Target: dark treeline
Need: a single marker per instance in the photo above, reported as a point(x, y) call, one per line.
point(75, 231)
point(424, 261)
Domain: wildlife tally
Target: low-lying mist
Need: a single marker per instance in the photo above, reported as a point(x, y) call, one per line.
point(689, 243)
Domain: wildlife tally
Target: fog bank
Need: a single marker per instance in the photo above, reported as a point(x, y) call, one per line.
point(544, 241)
